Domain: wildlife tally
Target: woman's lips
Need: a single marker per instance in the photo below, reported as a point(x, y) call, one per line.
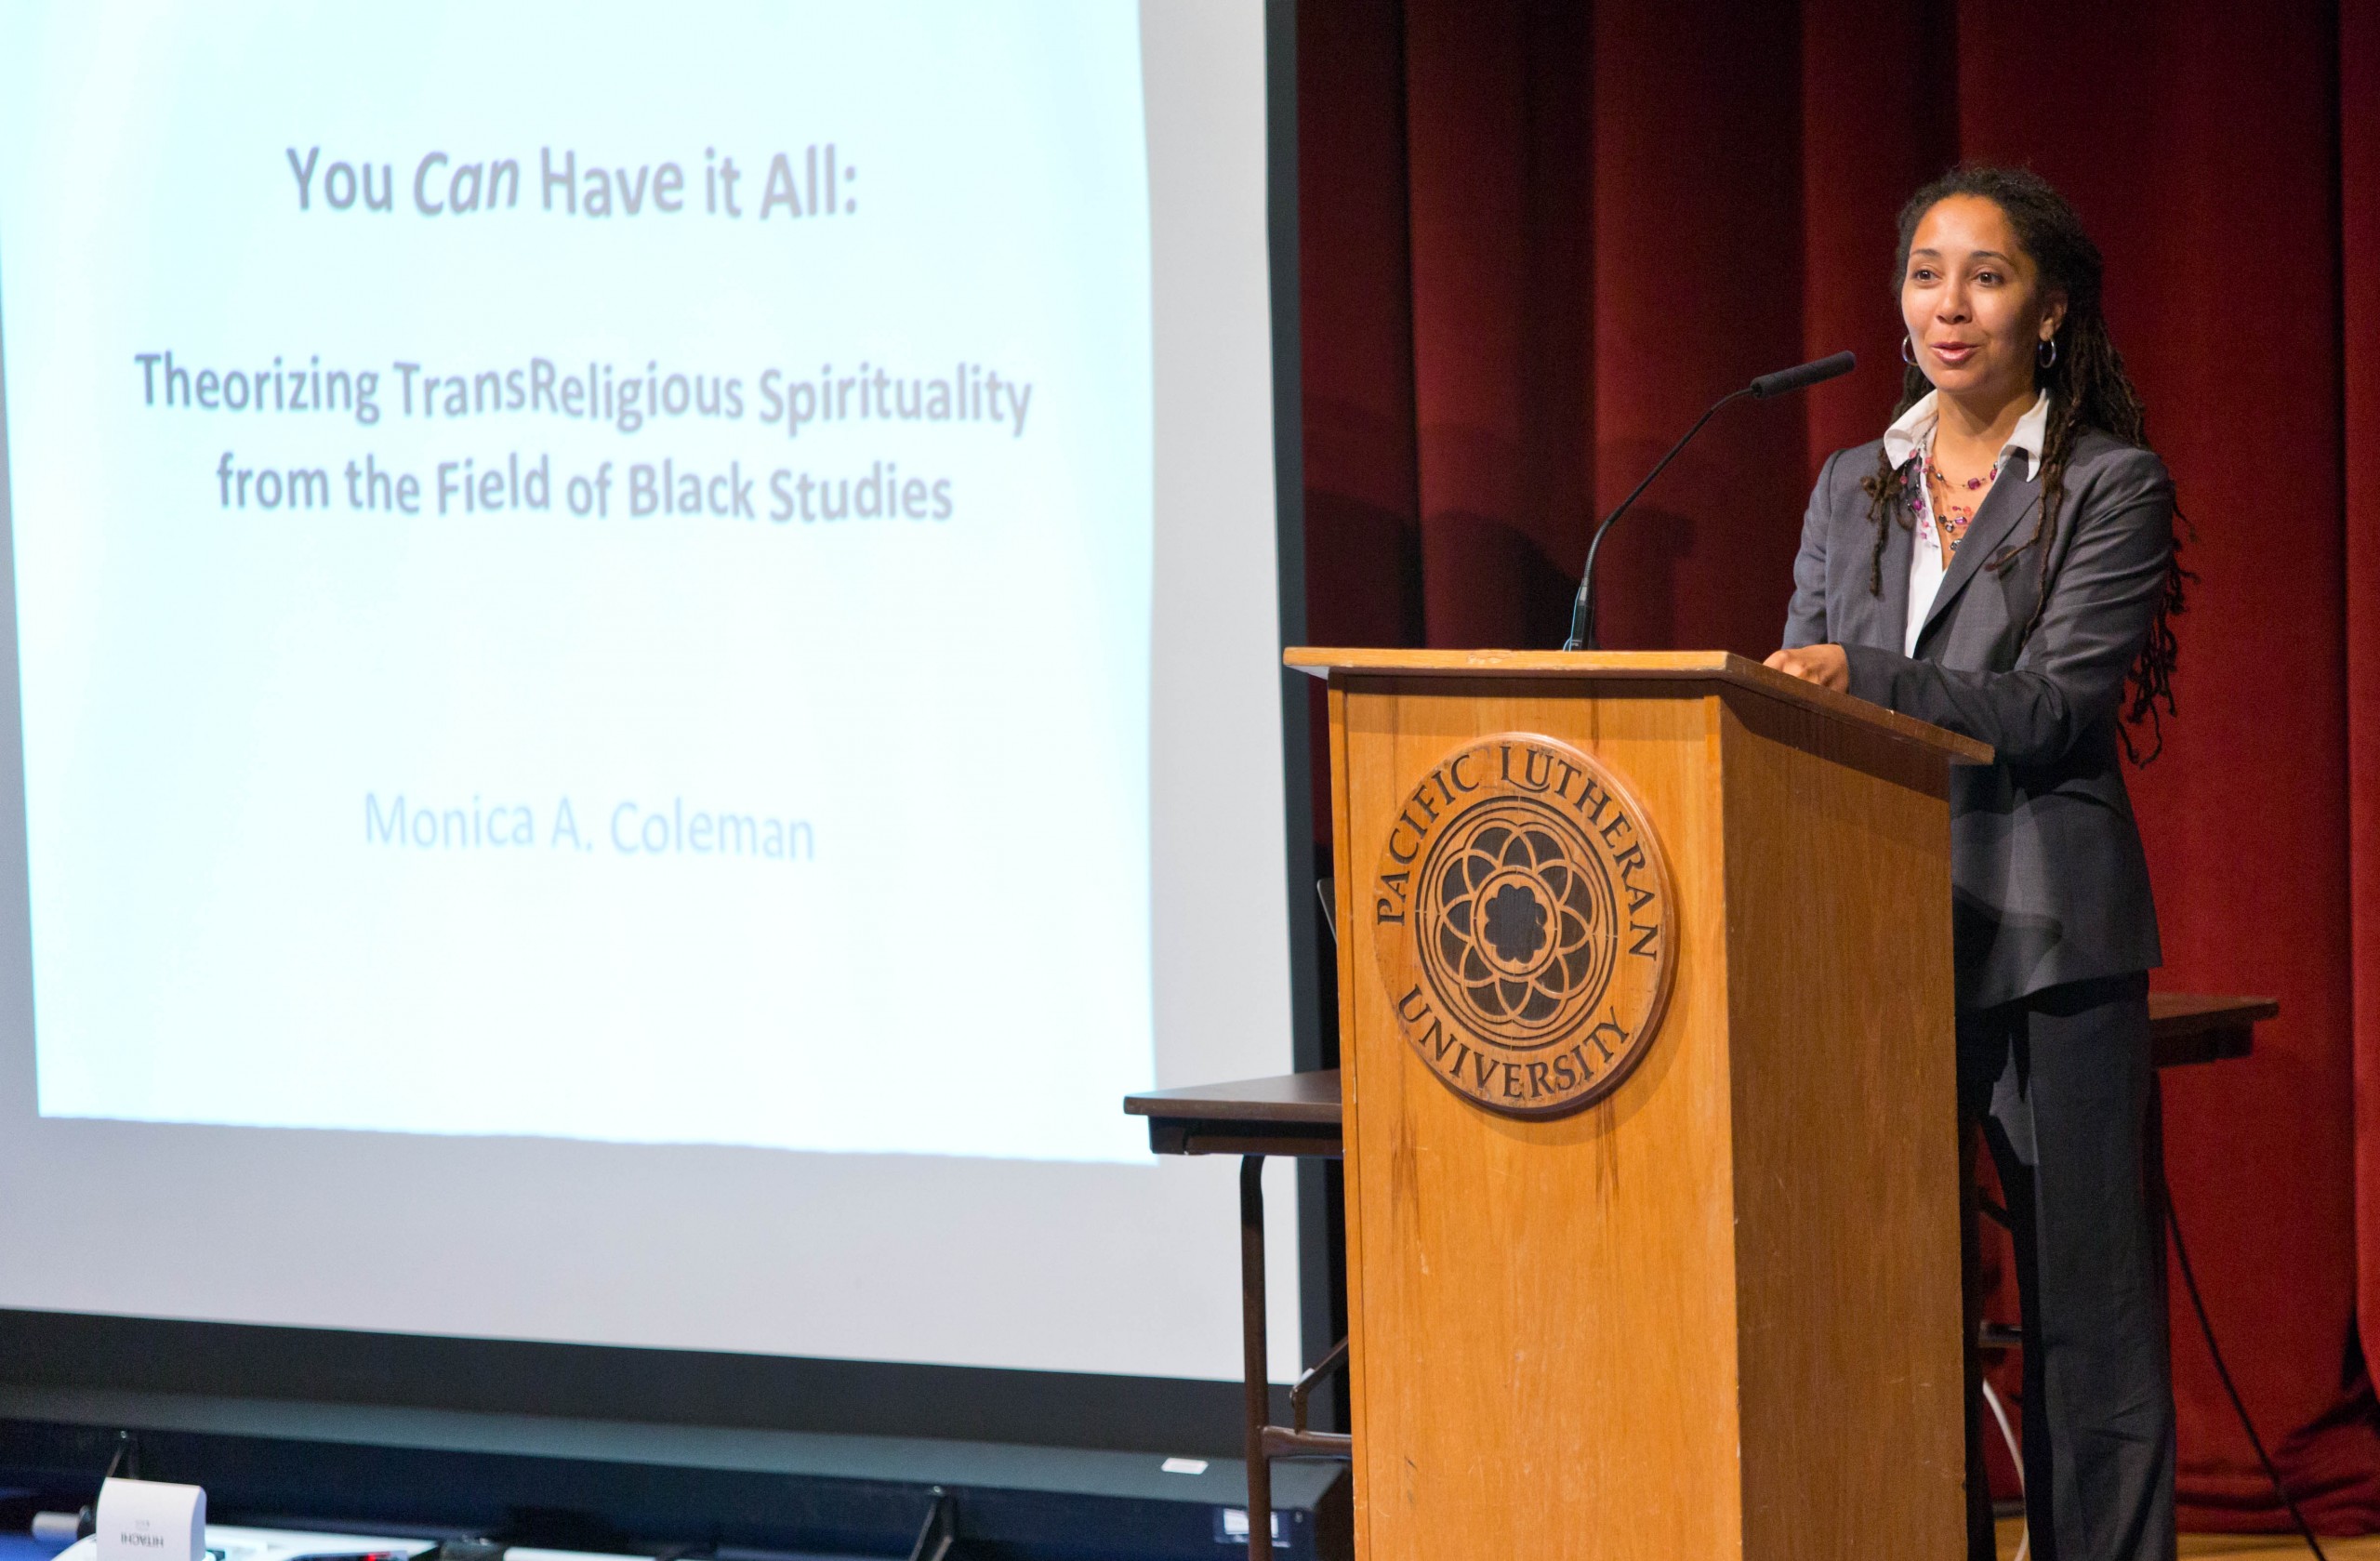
point(1952, 353)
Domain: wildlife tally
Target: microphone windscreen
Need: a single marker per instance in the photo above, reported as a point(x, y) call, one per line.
point(1802, 374)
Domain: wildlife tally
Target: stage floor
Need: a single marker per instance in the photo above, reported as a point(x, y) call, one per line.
point(2243, 1547)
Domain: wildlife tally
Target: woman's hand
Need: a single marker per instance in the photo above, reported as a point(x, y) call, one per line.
point(1823, 665)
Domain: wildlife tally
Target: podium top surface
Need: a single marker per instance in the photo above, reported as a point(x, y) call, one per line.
point(1698, 667)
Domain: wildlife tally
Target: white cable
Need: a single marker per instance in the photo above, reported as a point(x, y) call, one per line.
point(57, 1529)
point(2016, 1456)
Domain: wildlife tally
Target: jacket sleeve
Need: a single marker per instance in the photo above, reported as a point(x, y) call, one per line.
point(1805, 616)
point(2070, 673)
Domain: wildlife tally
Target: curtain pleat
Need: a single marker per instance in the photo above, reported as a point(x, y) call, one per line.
point(1697, 265)
point(2359, 99)
point(1497, 145)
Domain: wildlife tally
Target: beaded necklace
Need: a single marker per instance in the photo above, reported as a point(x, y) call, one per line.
point(1949, 513)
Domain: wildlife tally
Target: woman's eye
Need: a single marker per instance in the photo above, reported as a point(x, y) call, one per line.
point(1988, 276)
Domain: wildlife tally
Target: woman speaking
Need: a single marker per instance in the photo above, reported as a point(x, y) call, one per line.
point(2001, 563)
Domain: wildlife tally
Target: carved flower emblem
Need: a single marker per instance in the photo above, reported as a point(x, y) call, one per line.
point(1517, 919)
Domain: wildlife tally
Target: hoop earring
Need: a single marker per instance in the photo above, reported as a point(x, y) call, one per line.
point(1904, 354)
point(2048, 347)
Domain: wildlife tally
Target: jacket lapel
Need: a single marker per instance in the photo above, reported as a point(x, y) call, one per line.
point(1899, 540)
point(2010, 500)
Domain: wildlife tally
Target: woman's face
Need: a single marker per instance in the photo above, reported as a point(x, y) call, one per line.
point(1972, 302)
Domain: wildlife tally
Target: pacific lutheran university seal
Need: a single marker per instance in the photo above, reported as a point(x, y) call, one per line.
point(1523, 915)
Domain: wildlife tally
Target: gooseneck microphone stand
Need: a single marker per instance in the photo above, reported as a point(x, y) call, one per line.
point(1582, 610)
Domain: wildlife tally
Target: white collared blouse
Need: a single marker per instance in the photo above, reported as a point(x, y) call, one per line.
point(1909, 441)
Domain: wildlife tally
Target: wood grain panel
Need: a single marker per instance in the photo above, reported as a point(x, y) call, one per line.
point(1360, 1253)
point(1846, 1191)
point(1544, 1313)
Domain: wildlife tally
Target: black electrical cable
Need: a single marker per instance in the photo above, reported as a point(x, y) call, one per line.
point(2189, 1282)
point(128, 1458)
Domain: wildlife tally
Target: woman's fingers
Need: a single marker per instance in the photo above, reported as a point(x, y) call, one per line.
point(1823, 665)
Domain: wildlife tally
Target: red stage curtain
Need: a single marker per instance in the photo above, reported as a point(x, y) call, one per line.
point(2358, 209)
point(1538, 236)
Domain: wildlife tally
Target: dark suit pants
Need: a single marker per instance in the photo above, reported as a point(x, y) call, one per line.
point(2060, 1083)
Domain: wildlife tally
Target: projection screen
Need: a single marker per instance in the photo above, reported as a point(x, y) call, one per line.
point(645, 644)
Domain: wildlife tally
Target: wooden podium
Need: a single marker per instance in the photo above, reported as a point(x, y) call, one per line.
point(1650, 1127)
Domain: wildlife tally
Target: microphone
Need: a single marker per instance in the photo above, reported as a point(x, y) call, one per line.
point(1785, 380)
point(1800, 376)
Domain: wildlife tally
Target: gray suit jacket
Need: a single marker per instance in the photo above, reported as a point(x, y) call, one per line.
point(2047, 880)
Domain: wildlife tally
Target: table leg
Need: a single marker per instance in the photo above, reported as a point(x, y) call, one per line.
point(1259, 1371)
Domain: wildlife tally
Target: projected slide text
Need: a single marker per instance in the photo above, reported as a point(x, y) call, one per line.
point(607, 601)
